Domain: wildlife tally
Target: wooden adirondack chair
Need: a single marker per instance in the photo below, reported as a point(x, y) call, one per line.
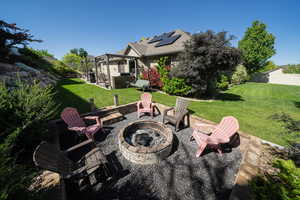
point(145, 105)
point(77, 164)
point(179, 113)
point(220, 135)
point(76, 123)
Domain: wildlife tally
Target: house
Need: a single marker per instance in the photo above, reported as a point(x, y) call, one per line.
point(114, 69)
point(277, 76)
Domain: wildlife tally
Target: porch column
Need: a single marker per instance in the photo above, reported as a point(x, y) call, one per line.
point(108, 70)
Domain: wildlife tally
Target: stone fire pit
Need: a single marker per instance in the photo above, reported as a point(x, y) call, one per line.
point(145, 142)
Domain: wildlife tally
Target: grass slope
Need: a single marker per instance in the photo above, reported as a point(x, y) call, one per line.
point(252, 104)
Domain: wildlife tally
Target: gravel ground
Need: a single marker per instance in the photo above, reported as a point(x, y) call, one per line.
point(180, 176)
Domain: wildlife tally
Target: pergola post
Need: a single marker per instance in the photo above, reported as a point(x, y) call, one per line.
point(135, 69)
point(108, 70)
point(96, 67)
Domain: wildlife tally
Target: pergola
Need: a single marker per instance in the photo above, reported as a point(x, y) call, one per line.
point(106, 58)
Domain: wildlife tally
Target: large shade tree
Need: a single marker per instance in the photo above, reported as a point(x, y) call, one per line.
point(204, 57)
point(72, 60)
point(12, 36)
point(257, 46)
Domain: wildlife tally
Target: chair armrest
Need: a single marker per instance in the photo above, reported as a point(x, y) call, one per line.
point(76, 152)
point(183, 114)
point(212, 140)
point(77, 129)
point(96, 118)
point(167, 110)
point(91, 117)
point(139, 104)
point(198, 125)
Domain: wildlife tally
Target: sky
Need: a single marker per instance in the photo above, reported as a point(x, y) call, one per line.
point(106, 26)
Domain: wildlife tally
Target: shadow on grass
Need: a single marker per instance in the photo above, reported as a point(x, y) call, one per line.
point(65, 98)
point(297, 104)
point(68, 81)
point(228, 97)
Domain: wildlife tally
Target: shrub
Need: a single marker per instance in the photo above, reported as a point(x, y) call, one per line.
point(292, 69)
point(62, 69)
point(240, 75)
point(154, 77)
point(41, 52)
point(223, 82)
point(269, 66)
point(24, 112)
point(282, 185)
point(294, 152)
point(204, 57)
point(176, 86)
point(35, 58)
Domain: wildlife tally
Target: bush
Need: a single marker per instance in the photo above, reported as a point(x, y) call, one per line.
point(62, 69)
point(205, 56)
point(36, 59)
point(282, 185)
point(223, 82)
point(41, 52)
point(176, 86)
point(153, 76)
point(294, 152)
point(270, 65)
point(24, 112)
point(291, 69)
point(240, 75)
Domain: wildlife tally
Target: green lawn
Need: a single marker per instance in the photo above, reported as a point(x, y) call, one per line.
point(252, 104)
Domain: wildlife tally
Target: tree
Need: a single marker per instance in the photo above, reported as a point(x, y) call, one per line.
point(204, 57)
point(11, 36)
point(74, 51)
point(72, 60)
point(257, 46)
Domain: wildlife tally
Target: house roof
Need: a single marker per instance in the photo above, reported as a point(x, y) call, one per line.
point(144, 48)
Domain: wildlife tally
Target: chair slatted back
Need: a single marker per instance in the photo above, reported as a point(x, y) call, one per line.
point(49, 157)
point(72, 117)
point(181, 106)
point(146, 99)
point(226, 128)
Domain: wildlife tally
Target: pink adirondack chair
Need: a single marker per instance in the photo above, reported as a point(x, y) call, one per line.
point(75, 123)
point(220, 135)
point(145, 105)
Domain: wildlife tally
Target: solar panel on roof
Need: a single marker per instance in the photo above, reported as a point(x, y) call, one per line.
point(164, 39)
point(168, 41)
point(161, 37)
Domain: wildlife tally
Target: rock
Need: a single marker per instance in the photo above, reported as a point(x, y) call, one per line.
point(4, 67)
point(27, 68)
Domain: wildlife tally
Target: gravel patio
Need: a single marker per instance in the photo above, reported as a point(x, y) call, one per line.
point(180, 176)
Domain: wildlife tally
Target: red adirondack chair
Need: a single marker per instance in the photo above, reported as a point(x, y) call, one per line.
point(76, 123)
point(145, 105)
point(220, 135)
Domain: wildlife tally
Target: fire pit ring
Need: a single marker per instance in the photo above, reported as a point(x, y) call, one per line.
point(145, 142)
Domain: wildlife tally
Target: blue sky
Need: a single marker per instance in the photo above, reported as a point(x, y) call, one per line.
point(102, 26)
